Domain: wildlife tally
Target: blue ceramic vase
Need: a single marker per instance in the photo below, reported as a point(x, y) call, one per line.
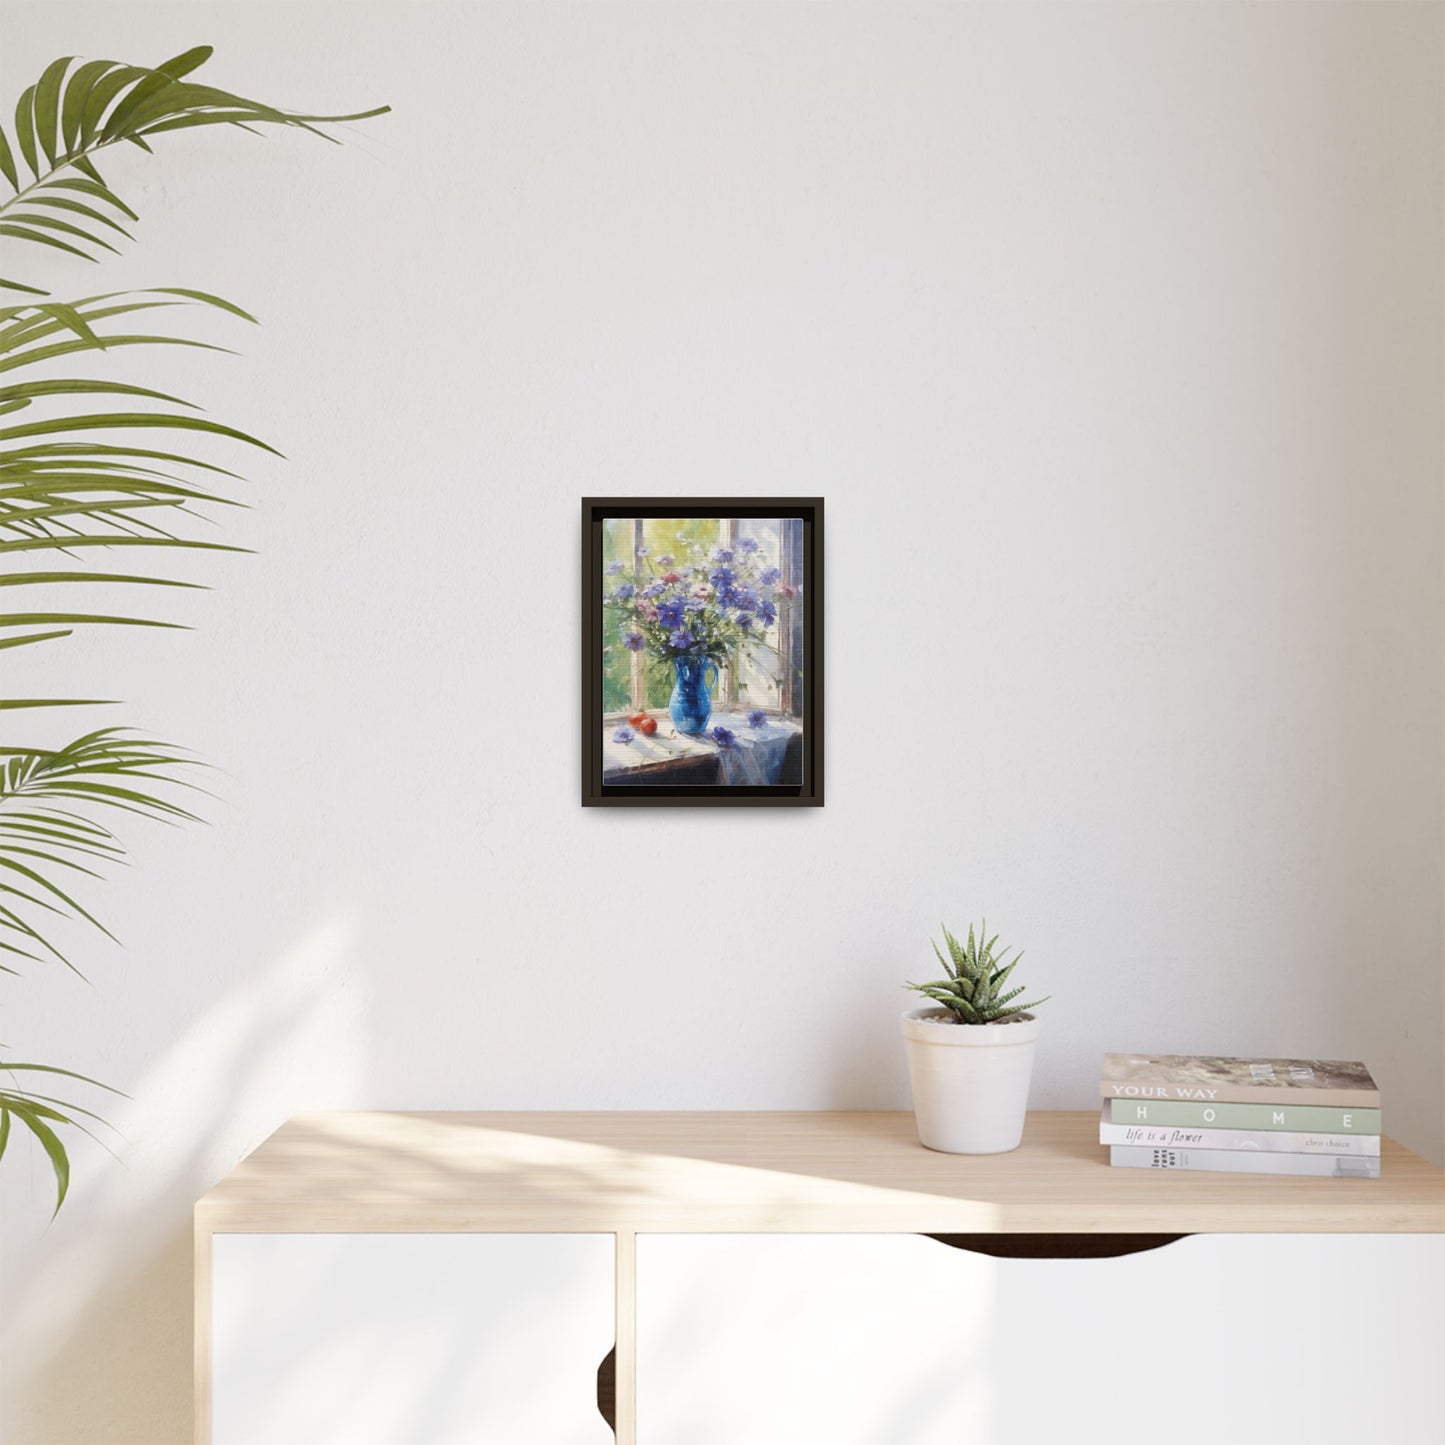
point(691, 704)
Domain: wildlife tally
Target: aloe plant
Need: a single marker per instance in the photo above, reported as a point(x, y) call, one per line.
point(974, 987)
point(75, 484)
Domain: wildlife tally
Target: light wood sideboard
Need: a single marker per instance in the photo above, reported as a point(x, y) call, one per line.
point(713, 1242)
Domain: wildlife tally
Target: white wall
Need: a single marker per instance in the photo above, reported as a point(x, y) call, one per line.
point(1112, 336)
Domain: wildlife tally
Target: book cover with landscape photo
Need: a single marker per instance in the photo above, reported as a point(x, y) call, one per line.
point(1207, 1078)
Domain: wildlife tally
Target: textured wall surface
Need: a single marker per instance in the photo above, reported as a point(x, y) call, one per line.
point(1112, 336)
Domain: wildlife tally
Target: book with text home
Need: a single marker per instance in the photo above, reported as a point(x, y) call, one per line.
point(1301, 1118)
point(1240, 1081)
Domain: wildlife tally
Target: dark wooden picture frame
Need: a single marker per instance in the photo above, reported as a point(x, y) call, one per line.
point(804, 701)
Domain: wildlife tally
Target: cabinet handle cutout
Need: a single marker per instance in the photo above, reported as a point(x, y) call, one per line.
point(607, 1389)
point(1056, 1246)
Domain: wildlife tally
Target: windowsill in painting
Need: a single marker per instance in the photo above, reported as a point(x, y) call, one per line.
point(668, 750)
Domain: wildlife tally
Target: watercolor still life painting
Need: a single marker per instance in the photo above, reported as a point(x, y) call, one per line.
point(702, 657)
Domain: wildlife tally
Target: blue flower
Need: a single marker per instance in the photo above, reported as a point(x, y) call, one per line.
point(623, 735)
point(669, 614)
point(682, 639)
point(747, 544)
point(744, 621)
point(694, 604)
point(757, 717)
point(613, 568)
point(654, 589)
point(625, 591)
point(722, 554)
point(768, 613)
point(643, 551)
point(723, 577)
point(724, 738)
point(770, 577)
point(746, 599)
point(633, 642)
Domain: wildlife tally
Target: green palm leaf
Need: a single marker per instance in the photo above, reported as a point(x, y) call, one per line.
point(39, 1113)
point(108, 768)
point(72, 482)
point(63, 491)
point(69, 116)
point(30, 1114)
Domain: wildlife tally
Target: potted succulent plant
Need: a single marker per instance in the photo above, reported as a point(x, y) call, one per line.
point(970, 1058)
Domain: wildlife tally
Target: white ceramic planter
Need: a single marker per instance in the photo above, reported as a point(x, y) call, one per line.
point(970, 1081)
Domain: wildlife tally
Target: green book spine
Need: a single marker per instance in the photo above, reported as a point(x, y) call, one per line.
point(1306, 1118)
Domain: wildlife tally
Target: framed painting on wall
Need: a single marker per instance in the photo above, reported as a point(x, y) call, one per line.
point(702, 652)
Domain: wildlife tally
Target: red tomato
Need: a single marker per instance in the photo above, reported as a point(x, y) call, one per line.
point(647, 726)
point(637, 719)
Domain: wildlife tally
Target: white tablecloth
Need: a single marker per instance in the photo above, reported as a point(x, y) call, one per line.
point(755, 756)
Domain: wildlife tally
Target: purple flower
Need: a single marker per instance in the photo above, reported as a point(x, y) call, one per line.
point(768, 613)
point(653, 589)
point(623, 735)
point(682, 639)
point(757, 717)
point(665, 560)
point(747, 544)
point(744, 622)
point(722, 554)
point(770, 577)
point(613, 568)
point(723, 737)
point(633, 642)
point(694, 604)
point(669, 614)
point(625, 591)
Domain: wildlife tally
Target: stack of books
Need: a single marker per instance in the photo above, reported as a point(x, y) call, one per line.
point(1241, 1116)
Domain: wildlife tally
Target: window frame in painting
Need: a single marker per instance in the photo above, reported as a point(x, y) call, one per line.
point(596, 512)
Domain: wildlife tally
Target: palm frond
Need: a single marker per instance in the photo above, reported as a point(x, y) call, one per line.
point(110, 769)
point(74, 111)
point(41, 1113)
point(73, 482)
point(64, 491)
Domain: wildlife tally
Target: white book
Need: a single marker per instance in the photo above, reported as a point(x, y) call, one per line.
point(1235, 1161)
point(1263, 1141)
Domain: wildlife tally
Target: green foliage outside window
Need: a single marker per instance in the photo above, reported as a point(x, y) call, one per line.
point(660, 535)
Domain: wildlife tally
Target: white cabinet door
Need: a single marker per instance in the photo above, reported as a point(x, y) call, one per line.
point(400, 1339)
point(900, 1340)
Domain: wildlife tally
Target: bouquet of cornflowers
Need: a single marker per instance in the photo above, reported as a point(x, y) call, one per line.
point(709, 604)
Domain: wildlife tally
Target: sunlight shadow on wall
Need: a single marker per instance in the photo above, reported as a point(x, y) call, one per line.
point(98, 1346)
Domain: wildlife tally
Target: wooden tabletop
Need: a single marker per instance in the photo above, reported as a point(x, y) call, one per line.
point(827, 1172)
